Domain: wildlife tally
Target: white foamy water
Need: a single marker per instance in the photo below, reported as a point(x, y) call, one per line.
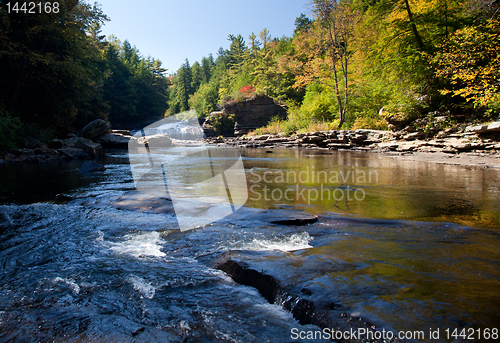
point(142, 244)
point(296, 241)
point(70, 282)
point(142, 286)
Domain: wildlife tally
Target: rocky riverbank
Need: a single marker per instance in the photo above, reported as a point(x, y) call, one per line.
point(88, 144)
point(469, 145)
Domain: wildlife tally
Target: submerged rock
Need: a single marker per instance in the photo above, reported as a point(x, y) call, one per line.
point(282, 217)
point(303, 310)
point(141, 202)
point(90, 167)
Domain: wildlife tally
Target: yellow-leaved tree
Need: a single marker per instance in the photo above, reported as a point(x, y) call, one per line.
point(469, 65)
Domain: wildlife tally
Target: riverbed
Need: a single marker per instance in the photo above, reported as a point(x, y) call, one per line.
point(407, 246)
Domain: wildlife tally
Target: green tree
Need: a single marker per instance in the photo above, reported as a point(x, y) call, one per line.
point(119, 90)
point(197, 76)
point(236, 51)
point(207, 66)
point(50, 67)
point(302, 24)
point(182, 88)
point(205, 100)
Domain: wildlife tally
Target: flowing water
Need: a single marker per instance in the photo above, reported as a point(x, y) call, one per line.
point(407, 246)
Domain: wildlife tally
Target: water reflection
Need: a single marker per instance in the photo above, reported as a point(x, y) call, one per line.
point(373, 185)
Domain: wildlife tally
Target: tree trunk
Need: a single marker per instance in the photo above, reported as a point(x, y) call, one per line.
point(337, 92)
point(418, 39)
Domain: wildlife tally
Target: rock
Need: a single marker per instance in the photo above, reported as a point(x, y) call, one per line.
point(9, 157)
point(95, 129)
point(449, 150)
point(261, 138)
point(27, 155)
point(140, 202)
point(493, 127)
point(452, 140)
point(32, 143)
point(463, 145)
point(389, 145)
point(336, 146)
point(302, 310)
point(302, 307)
point(267, 286)
point(280, 217)
point(410, 129)
point(94, 150)
point(447, 132)
point(56, 144)
point(358, 137)
point(312, 139)
point(415, 135)
point(90, 167)
point(114, 140)
point(253, 112)
point(122, 132)
point(397, 116)
point(477, 128)
point(72, 153)
point(403, 147)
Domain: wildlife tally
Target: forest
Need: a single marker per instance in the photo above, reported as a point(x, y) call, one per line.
point(341, 66)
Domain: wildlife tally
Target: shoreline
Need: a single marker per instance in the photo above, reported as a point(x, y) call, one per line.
point(469, 149)
point(476, 146)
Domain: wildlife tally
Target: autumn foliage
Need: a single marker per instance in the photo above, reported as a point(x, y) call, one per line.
point(247, 91)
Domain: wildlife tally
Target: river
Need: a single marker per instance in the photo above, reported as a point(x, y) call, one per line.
point(407, 246)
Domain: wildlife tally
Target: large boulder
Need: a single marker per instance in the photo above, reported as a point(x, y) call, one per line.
point(94, 150)
point(95, 129)
point(253, 113)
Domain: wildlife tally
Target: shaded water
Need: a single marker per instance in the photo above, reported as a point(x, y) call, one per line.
point(419, 251)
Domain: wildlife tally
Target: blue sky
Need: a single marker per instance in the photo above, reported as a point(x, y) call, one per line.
point(175, 30)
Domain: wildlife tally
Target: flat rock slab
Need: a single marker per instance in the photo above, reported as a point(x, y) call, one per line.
point(147, 203)
point(284, 217)
point(493, 127)
point(278, 217)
